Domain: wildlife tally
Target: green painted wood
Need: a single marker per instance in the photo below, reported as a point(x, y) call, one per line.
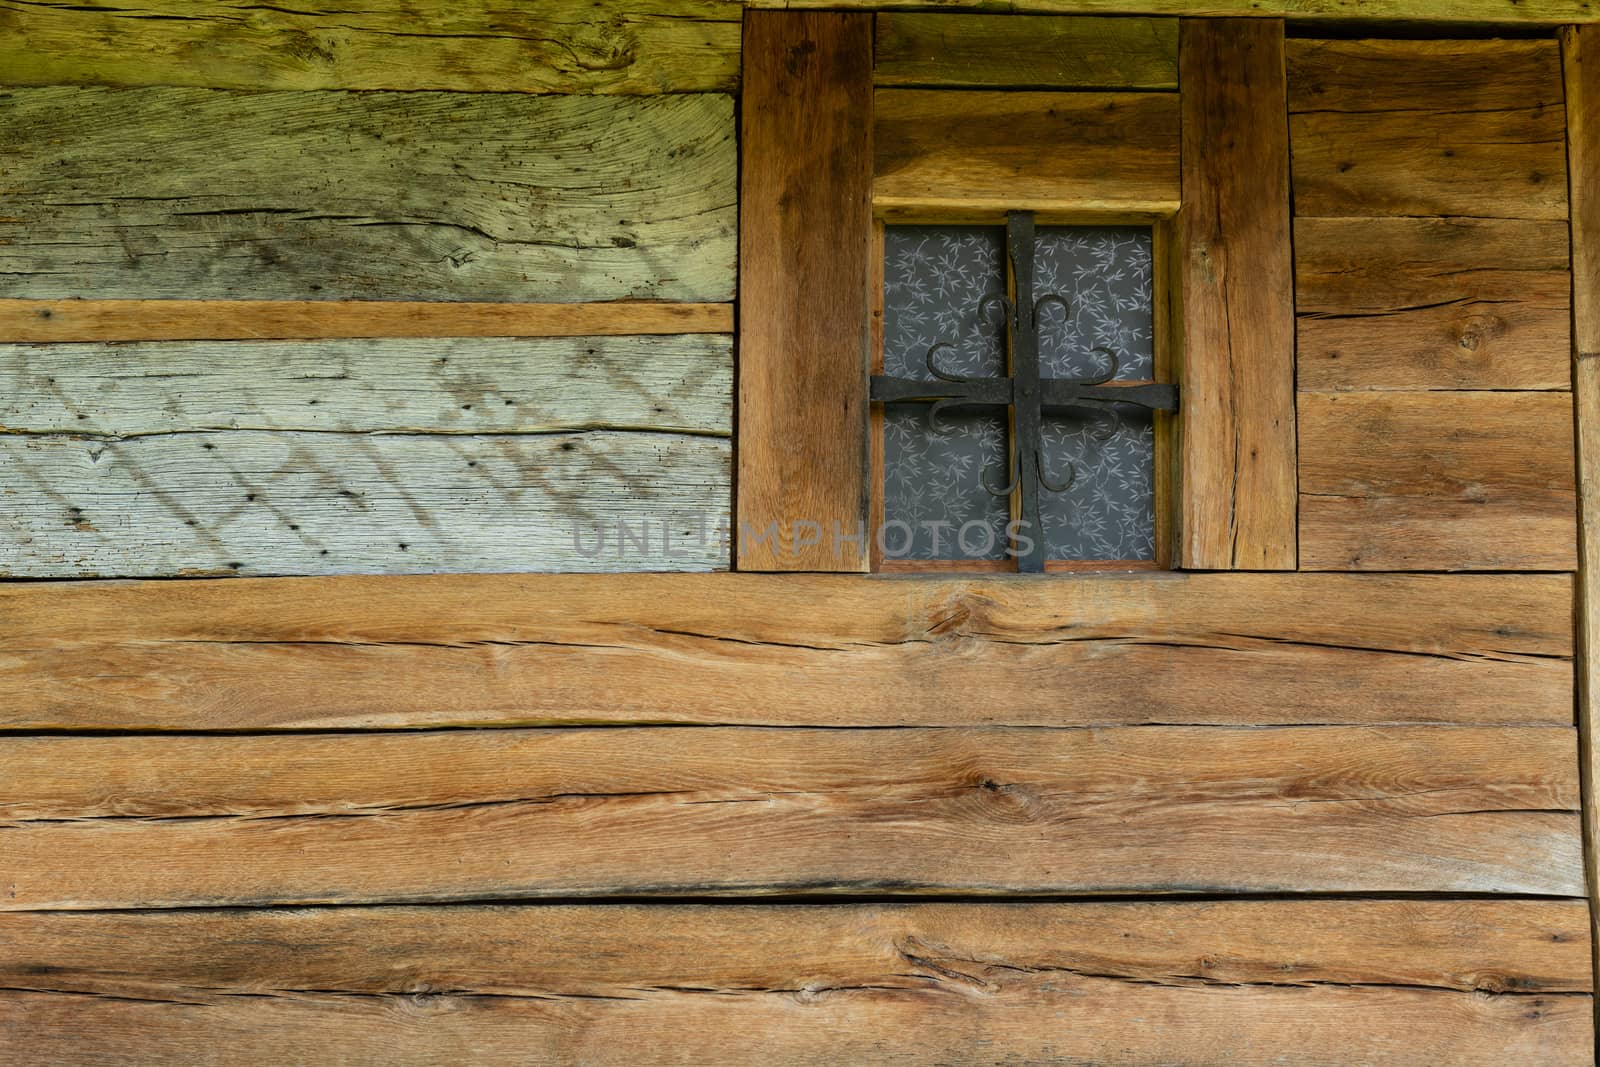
point(553, 46)
point(211, 194)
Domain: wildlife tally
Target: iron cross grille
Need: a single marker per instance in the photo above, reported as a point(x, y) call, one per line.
point(1029, 397)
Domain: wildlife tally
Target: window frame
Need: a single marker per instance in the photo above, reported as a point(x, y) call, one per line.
point(1209, 173)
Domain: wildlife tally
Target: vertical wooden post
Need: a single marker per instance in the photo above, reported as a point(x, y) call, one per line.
point(1238, 477)
point(1581, 63)
point(805, 229)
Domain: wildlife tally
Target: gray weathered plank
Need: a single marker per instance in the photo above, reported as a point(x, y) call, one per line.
point(334, 456)
point(554, 46)
point(214, 194)
point(677, 384)
point(292, 502)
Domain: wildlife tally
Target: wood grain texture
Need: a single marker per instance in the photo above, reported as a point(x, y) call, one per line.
point(227, 320)
point(1082, 152)
point(1322, 982)
point(466, 386)
point(458, 815)
point(1468, 946)
point(1237, 481)
point(805, 243)
point(1427, 128)
point(1415, 304)
point(297, 502)
point(1504, 12)
point(567, 46)
point(1037, 52)
point(407, 196)
point(361, 652)
point(1581, 66)
point(340, 456)
point(1437, 481)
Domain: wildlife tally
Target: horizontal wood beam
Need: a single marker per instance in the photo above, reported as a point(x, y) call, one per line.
point(1250, 983)
point(453, 815)
point(1432, 303)
point(936, 50)
point(357, 652)
point(555, 46)
point(223, 320)
point(1477, 480)
point(1506, 12)
point(1421, 128)
point(1087, 153)
point(183, 193)
point(149, 459)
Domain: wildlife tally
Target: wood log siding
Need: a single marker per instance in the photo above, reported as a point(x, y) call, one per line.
point(923, 50)
point(1326, 982)
point(339, 456)
point(1474, 13)
point(462, 815)
point(245, 320)
point(822, 651)
point(554, 46)
point(1433, 284)
point(403, 196)
point(964, 152)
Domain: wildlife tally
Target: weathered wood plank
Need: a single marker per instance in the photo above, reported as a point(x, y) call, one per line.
point(569, 46)
point(1237, 482)
point(1506, 12)
point(1070, 152)
point(1581, 66)
point(363, 651)
point(1248, 983)
point(225, 320)
point(456, 815)
point(1146, 1026)
point(307, 502)
point(1427, 128)
point(805, 243)
point(678, 384)
point(1437, 481)
point(1432, 304)
point(1036, 52)
point(435, 196)
point(1485, 946)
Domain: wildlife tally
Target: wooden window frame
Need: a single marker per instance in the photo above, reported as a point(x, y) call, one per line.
point(820, 145)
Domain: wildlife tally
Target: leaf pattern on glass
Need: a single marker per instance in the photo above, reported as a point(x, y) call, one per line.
point(935, 282)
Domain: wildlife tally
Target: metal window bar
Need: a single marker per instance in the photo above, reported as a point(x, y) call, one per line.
point(1024, 393)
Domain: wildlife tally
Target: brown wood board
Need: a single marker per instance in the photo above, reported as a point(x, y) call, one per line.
point(1237, 323)
point(453, 815)
point(356, 652)
point(1321, 982)
point(805, 241)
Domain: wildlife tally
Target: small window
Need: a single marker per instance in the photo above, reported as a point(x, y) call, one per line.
point(971, 478)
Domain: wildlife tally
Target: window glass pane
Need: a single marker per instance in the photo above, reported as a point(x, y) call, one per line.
point(1108, 512)
point(936, 281)
point(935, 278)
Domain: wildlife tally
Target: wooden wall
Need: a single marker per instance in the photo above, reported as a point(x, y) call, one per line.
point(1433, 293)
point(347, 296)
point(218, 161)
